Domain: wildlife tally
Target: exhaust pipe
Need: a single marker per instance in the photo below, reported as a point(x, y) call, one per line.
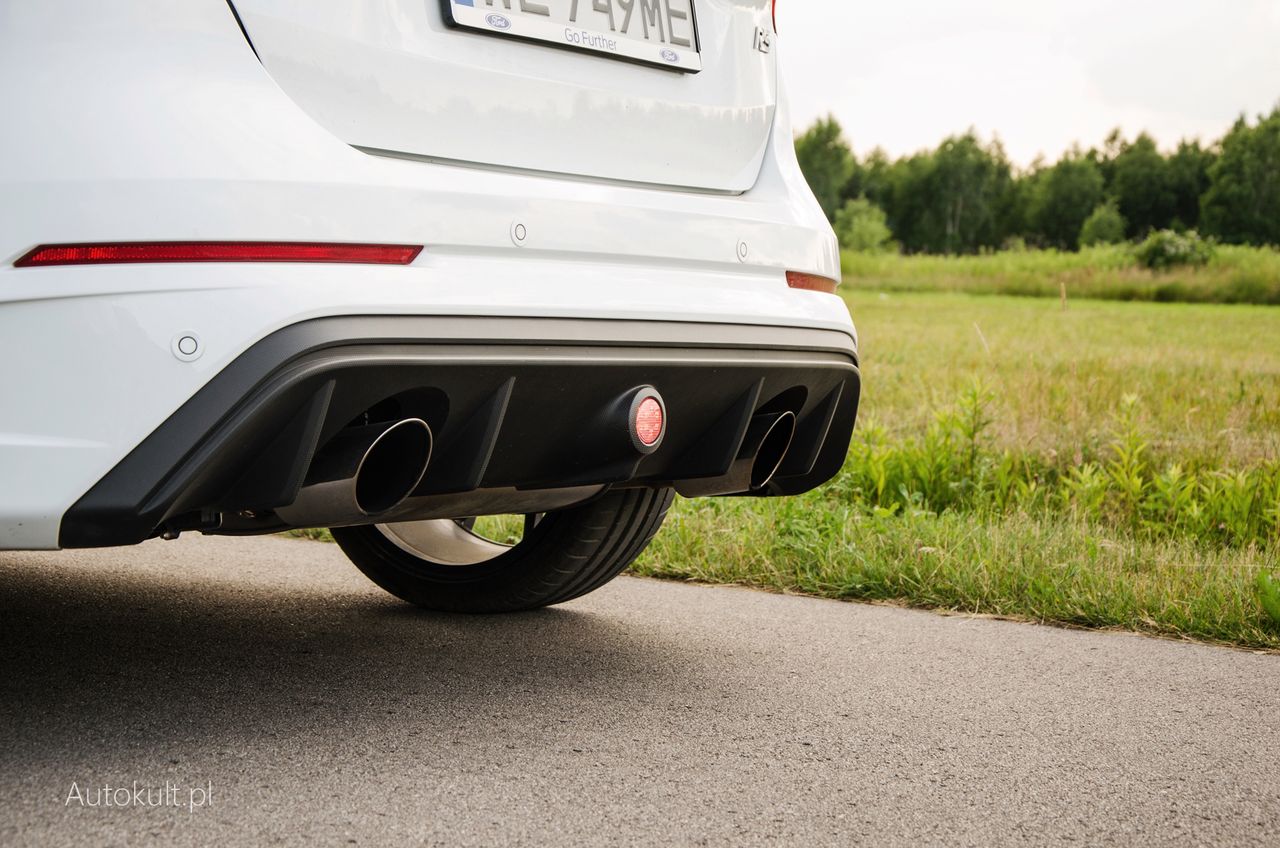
point(775, 432)
point(362, 472)
point(763, 449)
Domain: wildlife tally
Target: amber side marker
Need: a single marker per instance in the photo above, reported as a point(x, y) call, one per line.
point(218, 251)
point(811, 282)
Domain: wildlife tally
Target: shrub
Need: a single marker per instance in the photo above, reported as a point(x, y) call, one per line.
point(953, 466)
point(1105, 226)
point(1269, 593)
point(862, 226)
point(1167, 249)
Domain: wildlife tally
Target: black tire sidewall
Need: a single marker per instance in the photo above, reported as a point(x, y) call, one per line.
point(596, 540)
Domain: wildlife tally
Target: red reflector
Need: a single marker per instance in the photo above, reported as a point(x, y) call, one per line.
point(649, 421)
point(218, 251)
point(811, 282)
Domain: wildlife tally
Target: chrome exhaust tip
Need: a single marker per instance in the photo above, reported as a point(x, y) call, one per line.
point(774, 441)
point(764, 447)
point(363, 472)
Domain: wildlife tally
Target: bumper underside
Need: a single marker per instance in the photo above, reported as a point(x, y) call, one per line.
point(516, 406)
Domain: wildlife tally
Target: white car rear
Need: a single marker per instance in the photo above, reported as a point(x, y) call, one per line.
point(389, 266)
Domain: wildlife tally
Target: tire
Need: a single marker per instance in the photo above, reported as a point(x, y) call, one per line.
point(565, 555)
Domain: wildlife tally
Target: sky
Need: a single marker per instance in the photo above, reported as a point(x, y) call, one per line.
point(1039, 74)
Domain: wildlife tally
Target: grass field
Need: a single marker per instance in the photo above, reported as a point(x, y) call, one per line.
point(1116, 447)
point(1235, 275)
point(1019, 566)
point(1205, 379)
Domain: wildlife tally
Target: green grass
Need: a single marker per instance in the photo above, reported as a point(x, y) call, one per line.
point(1119, 467)
point(1056, 570)
point(1205, 378)
point(953, 467)
point(1234, 275)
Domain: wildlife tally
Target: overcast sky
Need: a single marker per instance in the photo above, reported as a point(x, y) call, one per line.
point(1040, 74)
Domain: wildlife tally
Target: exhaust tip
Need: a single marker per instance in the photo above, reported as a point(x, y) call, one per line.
point(393, 466)
point(773, 449)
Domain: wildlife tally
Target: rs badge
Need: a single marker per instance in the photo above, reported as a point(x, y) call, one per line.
point(763, 40)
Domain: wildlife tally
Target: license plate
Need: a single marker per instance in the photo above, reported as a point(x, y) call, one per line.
point(663, 33)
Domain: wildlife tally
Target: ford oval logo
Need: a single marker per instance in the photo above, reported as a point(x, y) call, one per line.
point(498, 22)
point(670, 55)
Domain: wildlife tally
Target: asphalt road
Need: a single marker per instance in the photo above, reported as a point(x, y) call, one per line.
point(319, 711)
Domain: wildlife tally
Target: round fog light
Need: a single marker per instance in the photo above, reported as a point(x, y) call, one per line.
point(648, 420)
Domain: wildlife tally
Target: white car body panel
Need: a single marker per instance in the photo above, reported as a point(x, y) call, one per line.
point(153, 121)
point(392, 75)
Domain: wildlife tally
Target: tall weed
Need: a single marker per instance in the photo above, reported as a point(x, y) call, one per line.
point(952, 466)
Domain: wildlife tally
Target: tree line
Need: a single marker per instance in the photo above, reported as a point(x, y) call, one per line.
point(965, 196)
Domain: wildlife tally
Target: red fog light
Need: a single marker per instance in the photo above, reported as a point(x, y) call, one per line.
point(648, 420)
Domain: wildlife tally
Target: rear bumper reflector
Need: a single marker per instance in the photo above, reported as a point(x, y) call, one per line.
point(218, 251)
point(811, 282)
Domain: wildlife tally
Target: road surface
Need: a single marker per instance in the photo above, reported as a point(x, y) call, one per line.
point(317, 710)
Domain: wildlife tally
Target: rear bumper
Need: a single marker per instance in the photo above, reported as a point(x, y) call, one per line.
point(513, 404)
point(89, 369)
